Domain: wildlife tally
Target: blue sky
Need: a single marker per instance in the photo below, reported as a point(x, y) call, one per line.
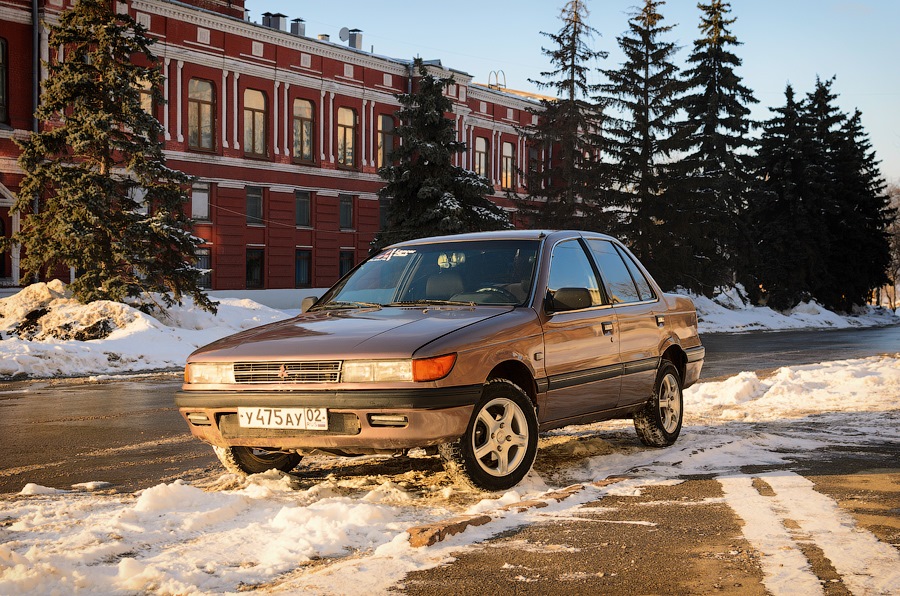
point(784, 41)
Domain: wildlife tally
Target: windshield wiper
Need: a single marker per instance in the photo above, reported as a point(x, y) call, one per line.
point(431, 302)
point(336, 305)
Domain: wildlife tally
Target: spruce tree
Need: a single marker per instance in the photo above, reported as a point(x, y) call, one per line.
point(426, 194)
point(562, 178)
point(785, 216)
point(108, 205)
point(642, 91)
point(858, 225)
point(711, 179)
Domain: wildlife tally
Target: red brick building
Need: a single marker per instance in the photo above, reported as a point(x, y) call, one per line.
point(284, 132)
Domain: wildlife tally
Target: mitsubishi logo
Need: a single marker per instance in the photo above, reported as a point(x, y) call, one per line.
point(283, 373)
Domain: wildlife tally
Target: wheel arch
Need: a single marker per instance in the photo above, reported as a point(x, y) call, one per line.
point(518, 373)
point(676, 356)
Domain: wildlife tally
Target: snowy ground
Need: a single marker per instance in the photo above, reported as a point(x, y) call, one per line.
point(348, 535)
point(345, 536)
point(138, 342)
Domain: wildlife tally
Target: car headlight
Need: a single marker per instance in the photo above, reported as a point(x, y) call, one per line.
point(366, 371)
point(209, 373)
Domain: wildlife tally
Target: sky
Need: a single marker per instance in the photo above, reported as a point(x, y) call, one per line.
point(784, 41)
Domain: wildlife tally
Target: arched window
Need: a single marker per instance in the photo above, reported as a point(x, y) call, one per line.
point(508, 166)
point(254, 123)
point(304, 127)
point(201, 115)
point(346, 131)
point(481, 156)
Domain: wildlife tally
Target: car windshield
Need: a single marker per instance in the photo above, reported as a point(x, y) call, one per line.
point(495, 272)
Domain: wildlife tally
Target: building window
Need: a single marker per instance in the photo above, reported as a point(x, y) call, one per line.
point(200, 201)
point(256, 258)
point(201, 115)
point(346, 261)
point(146, 91)
point(304, 125)
point(303, 268)
point(346, 137)
point(346, 211)
point(385, 139)
point(4, 76)
point(204, 263)
point(508, 166)
point(304, 209)
point(481, 156)
point(254, 123)
point(254, 205)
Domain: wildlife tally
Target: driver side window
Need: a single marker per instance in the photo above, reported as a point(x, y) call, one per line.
point(570, 268)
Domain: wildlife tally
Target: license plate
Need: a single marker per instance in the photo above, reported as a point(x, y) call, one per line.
point(285, 418)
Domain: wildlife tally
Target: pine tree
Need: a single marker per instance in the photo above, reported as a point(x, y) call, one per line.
point(643, 91)
point(562, 175)
point(860, 251)
point(426, 194)
point(108, 205)
point(786, 216)
point(711, 179)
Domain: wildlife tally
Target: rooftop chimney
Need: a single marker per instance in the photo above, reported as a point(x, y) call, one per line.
point(324, 37)
point(298, 27)
point(275, 20)
point(356, 39)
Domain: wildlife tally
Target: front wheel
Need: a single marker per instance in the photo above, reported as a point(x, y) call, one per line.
point(500, 442)
point(659, 422)
point(247, 460)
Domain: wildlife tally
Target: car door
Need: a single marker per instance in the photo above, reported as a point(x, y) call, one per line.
point(640, 322)
point(580, 340)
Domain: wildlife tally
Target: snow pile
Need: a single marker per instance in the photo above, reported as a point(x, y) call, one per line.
point(729, 312)
point(46, 333)
point(233, 535)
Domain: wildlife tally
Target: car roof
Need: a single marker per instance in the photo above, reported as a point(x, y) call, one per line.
point(553, 235)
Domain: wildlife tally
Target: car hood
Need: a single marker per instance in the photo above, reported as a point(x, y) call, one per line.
point(391, 332)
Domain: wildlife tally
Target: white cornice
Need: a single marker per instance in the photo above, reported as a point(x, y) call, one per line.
point(267, 166)
point(15, 14)
point(267, 35)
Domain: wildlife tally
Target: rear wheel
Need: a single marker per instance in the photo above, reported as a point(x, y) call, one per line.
point(658, 424)
point(500, 442)
point(247, 460)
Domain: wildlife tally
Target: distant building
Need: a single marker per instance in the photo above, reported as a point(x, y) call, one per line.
point(284, 133)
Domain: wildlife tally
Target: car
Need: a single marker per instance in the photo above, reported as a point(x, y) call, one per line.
point(467, 346)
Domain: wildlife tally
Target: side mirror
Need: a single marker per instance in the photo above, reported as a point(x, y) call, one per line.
point(569, 299)
point(308, 302)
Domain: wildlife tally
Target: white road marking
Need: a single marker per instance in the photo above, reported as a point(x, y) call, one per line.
point(786, 569)
point(866, 565)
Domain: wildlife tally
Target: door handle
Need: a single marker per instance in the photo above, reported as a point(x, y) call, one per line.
point(660, 320)
point(607, 327)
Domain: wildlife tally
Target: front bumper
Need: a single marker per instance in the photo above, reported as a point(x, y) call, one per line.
point(433, 416)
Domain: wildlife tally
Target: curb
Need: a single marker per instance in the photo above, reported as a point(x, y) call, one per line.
point(430, 534)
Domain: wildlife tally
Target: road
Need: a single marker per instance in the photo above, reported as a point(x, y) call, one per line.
point(127, 432)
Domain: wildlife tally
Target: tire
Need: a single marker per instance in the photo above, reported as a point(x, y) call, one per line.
point(500, 442)
point(658, 424)
point(245, 461)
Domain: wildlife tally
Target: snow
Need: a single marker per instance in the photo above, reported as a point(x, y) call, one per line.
point(228, 534)
point(225, 534)
point(139, 342)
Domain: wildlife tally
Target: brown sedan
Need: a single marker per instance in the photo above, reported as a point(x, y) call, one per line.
point(469, 345)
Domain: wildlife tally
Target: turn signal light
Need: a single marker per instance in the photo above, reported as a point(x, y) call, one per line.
point(432, 369)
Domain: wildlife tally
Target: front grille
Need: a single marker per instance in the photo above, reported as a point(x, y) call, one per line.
point(328, 371)
point(339, 423)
